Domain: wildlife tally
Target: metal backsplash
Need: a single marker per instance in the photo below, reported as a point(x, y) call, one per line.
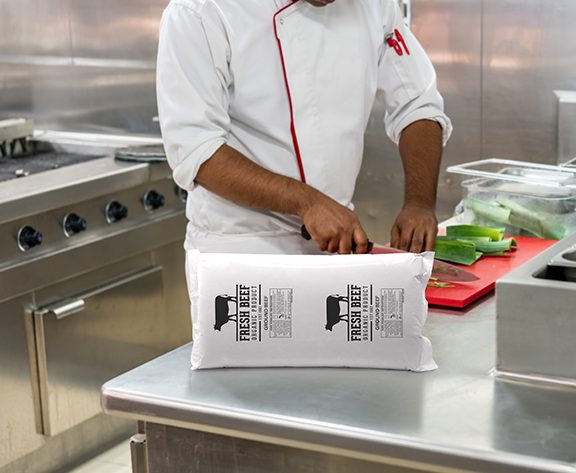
point(80, 65)
point(89, 66)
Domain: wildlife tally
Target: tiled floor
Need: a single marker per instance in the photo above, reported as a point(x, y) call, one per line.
point(115, 460)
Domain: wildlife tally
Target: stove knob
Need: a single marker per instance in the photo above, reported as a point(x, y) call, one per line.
point(115, 211)
point(73, 224)
point(153, 200)
point(29, 237)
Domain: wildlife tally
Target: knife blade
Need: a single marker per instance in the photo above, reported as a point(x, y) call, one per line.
point(441, 270)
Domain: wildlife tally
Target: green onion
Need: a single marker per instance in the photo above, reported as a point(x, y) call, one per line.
point(456, 251)
point(484, 244)
point(495, 246)
point(495, 234)
point(507, 212)
point(471, 238)
point(489, 211)
point(465, 244)
point(539, 224)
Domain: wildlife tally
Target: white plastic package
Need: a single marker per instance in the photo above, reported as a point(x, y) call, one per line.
point(364, 311)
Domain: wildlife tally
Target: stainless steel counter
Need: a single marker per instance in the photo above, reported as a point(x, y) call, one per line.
point(457, 418)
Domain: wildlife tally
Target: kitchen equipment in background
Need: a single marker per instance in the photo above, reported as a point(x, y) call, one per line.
point(566, 147)
point(41, 160)
point(488, 269)
point(536, 317)
point(14, 132)
point(526, 198)
point(91, 284)
point(141, 154)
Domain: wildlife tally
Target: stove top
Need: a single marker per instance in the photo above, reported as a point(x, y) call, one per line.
point(36, 162)
point(74, 193)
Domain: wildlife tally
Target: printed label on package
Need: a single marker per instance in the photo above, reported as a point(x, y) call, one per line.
point(366, 313)
point(392, 303)
point(255, 314)
point(280, 310)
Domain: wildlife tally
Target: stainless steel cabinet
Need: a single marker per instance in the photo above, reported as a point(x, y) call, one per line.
point(87, 338)
point(17, 416)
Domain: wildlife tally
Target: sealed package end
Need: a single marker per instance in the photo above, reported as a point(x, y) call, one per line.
point(363, 311)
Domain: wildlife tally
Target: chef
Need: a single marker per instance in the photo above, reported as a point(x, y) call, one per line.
point(263, 106)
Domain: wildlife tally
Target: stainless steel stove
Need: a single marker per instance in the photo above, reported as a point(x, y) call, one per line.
point(91, 280)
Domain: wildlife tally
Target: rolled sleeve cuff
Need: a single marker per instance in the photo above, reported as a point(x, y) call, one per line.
point(426, 113)
point(185, 173)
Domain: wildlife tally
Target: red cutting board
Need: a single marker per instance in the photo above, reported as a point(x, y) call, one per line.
point(488, 269)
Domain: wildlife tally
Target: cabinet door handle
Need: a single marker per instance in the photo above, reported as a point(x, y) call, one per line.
point(73, 305)
point(63, 308)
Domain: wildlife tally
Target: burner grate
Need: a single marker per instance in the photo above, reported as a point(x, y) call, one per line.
point(12, 168)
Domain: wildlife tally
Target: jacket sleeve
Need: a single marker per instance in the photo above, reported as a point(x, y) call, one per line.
point(192, 89)
point(406, 79)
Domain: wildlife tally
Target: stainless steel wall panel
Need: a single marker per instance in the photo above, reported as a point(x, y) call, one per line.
point(528, 53)
point(80, 65)
point(90, 99)
point(15, 91)
point(451, 33)
point(96, 99)
point(108, 29)
point(34, 28)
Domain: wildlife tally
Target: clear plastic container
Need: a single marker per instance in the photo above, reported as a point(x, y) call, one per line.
point(525, 198)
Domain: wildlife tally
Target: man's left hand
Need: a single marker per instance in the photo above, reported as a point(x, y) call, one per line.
point(415, 229)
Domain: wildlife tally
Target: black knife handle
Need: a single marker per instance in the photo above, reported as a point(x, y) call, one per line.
point(306, 235)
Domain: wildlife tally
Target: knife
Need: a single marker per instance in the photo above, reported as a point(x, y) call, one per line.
point(441, 270)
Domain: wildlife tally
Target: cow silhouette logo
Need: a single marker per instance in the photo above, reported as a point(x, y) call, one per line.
point(222, 306)
point(334, 313)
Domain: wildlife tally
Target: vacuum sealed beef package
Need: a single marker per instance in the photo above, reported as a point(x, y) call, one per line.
point(364, 311)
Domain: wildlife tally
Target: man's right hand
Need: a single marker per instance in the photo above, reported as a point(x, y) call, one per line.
point(333, 226)
point(233, 176)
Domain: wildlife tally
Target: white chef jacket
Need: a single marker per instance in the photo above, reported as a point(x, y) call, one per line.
point(289, 85)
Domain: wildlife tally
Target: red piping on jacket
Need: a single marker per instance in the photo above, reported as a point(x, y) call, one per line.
point(292, 127)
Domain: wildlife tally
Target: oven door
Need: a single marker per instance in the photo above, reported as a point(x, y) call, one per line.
point(81, 341)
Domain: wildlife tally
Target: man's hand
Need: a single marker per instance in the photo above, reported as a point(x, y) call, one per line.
point(415, 229)
point(333, 226)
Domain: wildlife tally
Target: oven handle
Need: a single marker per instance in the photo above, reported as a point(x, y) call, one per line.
point(65, 308)
point(74, 305)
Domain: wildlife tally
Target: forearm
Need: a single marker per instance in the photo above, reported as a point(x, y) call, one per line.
point(421, 151)
point(416, 226)
point(234, 177)
point(231, 175)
